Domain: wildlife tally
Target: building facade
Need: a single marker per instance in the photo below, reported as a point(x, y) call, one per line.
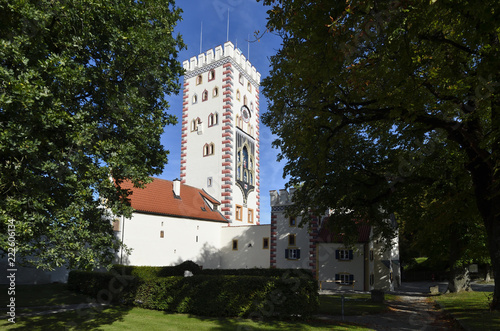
point(220, 131)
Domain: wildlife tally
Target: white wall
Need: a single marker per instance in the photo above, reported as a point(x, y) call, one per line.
point(328, 266)
point(250, 252)
point(184, 239)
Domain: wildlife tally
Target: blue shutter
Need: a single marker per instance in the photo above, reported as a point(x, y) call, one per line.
point(298, 254)
point(351, 279)
point(350, 254)
point(286, 253)
point(337, 254)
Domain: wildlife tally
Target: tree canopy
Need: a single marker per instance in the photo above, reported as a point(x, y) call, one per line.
point(375, 102)
point(82, 87)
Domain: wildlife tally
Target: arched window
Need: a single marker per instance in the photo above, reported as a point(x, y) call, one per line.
point(238, 96)
point(213, 119)
point(204, 96)
point(251, 106)
point(249, 87)
point(215, 92)
point(245, 170)
point(208, 149)
point(245, 100)
point(211, 75)
point(199, 80)
point(241, 79)
point(195, 123)
point(195, 98)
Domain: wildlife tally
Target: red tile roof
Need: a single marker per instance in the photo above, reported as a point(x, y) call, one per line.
point(158, 198)
point(327, 236)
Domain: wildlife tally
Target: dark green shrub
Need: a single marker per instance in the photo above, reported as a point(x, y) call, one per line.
point(292, 294)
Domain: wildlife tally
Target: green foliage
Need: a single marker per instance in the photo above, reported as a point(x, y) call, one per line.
point(82, 86)
point(258, 297)
point(153, 272)
point(392, 106)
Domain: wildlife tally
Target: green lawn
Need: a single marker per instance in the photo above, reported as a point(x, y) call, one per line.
point(472, 309)
point(42, 295)
point(354, 304)
point(128, 318)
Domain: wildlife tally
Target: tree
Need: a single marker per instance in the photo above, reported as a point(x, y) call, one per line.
point(361, 91)
point(82, 86)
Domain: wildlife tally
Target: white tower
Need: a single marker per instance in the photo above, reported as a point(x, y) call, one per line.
point(220, 131)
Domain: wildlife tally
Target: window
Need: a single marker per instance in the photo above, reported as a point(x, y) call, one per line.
point(208, 149)
point(292, 254)
point(215, 92)
point(196, 238)
point(199, 80)
point(235, 245)
point(211, 75)
point(239, 212)
point(209, 182)
point(241, 79)
point(292, 221)
point(344, 254)
point(195, 98)
point(194, 124)
point(116, 224)
point(265, 243)
point(249, 87)
point(344, 279)
point(162, 234)
point(204, 96)
point(250, 215)
point(372, 279)
point(213, 119)
point(245, 100)
point(291, 240)
point(371, 254)
point(238, 95)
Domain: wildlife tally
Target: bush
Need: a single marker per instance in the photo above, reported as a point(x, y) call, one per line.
point(292, 294)
point(153, 272)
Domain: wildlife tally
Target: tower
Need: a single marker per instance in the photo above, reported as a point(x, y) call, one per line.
point(220, 131)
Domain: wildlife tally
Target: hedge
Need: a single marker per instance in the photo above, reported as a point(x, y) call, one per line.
point(257, 297)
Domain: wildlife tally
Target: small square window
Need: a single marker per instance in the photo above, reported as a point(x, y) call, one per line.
point(162, 234)
point(209, 182)
point(291, 240)
point(292, 221)
point(235, 245)
point(265, 243)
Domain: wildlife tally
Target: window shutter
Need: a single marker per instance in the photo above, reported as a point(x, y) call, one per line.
point(298, 253)
point(350, 254)
point(286, 253)
point(337, 254)
point(337, 277)
point(351, 279)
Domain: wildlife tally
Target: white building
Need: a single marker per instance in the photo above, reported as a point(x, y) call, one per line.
point(364, 266)
point(220, 131)
point(211, 216)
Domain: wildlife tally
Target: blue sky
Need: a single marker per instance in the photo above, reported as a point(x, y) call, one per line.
point(245, 17)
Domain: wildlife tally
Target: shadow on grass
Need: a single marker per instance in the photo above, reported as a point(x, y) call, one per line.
point(81, 319)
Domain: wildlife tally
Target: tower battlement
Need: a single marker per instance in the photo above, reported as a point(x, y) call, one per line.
point(281, 198)
point(214, 57)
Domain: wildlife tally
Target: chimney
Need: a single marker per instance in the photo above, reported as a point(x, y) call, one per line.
point(177, 188)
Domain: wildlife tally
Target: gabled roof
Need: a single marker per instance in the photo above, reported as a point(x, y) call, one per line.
point(158, 198)
point(327, 236)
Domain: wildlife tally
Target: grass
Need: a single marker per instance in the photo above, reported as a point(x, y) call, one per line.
point(472, 309)
point(354, 304)
point(42, 295)
point(122, 318)
point(133, 318)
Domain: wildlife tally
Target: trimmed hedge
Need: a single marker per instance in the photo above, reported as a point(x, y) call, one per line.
point(152, 272)
point(257, 297)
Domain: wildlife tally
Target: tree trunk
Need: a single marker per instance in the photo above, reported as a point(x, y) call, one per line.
point(459, 280)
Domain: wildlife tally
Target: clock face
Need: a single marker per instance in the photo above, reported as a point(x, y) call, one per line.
point(245, 114)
